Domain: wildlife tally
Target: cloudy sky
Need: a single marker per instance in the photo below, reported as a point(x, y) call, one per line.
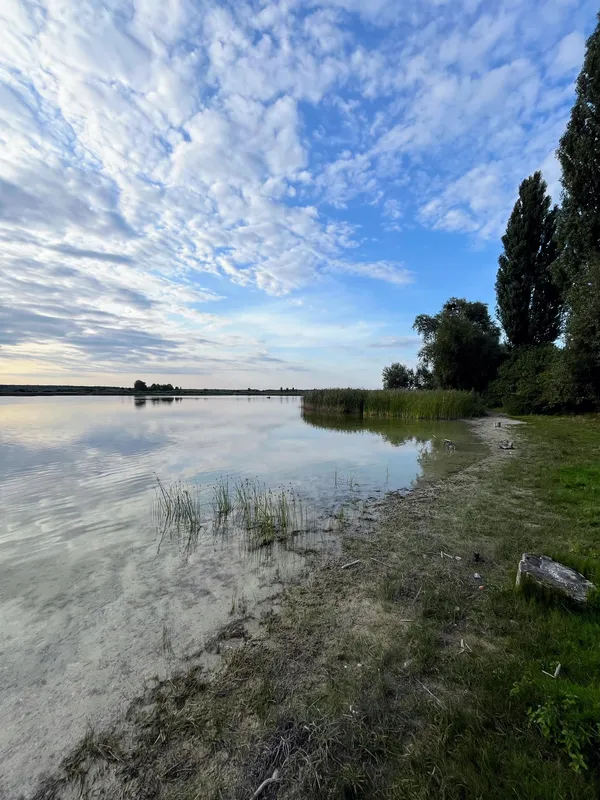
point(262, 193)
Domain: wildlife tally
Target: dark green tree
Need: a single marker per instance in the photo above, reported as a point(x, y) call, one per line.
point(579, 156)
point(579, 231)
point(582, 335)
point(140, 386)
point(461, 345)
point(529, 301)
point(424, 378)
point(397, 376)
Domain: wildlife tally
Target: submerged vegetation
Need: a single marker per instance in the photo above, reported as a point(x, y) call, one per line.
point(400, 404)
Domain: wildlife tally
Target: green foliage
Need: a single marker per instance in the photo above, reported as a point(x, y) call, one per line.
point(559, 720)
point(140, 386)
point(531, 382)
point(461, 344)
point(579, 230)
point(582, 335)
point(529, 300)
point(424, 378)
point(398, 376)
point(402, 404)
point(161, 387)
point(579, 156)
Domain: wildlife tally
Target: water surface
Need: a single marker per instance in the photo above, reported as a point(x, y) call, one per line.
point(85, 599)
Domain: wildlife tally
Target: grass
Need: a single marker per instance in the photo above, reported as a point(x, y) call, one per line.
point(178, 514)
point(400, 404)
point(399, 678)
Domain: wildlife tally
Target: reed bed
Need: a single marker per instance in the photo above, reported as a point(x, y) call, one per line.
point(398, 403)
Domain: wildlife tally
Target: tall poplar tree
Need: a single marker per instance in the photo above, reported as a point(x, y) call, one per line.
point(528, 298)
point(579, 229)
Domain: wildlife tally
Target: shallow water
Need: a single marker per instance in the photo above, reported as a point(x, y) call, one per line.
point(85, 596)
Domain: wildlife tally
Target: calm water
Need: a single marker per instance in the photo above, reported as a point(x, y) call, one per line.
point(85, 598)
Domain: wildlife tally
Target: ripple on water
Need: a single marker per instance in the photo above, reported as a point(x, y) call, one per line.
point(85, 595)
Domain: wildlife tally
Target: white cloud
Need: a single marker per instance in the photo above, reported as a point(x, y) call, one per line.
point(157, 156)
point(568, 56)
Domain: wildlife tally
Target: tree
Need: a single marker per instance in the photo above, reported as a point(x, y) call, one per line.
point(140, 386)
point(579, 231)
point(424, 378)
point(529, 300)
point(397, 376)
point(461, 345)
point(579, 156)
point(582, 335)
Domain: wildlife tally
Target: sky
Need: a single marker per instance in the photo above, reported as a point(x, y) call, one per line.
point(262, 194)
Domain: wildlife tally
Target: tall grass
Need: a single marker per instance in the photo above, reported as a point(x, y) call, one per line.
point(398, 403)
point(264, 515)
point(178, 512)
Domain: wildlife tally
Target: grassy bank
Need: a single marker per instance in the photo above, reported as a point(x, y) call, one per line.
point(401, 404)
point(397, 677)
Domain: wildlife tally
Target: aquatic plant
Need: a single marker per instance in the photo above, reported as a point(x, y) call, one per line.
point(398, 403)
point(263, 514)
point(178, 513)
point(222, 499)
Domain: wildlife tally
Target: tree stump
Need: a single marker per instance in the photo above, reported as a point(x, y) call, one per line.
point(555, 576)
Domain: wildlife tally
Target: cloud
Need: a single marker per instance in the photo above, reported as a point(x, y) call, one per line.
point(165, 162)
point(397, 342)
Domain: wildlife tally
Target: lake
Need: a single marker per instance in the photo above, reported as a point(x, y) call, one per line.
point(97, 593)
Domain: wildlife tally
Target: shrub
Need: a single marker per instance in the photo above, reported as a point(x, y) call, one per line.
point(534, 380)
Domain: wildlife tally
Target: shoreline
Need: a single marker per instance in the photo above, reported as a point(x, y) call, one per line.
point(248, 635)
point(406, 667)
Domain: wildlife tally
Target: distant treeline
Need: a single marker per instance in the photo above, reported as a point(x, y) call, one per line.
point(28, 390)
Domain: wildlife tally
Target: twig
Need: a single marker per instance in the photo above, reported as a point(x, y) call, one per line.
point(437, 699)
point(378, 561)
point(351, 563)
point(273, 779)
point(416, 597)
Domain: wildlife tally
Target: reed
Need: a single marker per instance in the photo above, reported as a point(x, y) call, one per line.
point(398, 403)
point(222, 499)
point(268, 515)
point(178, 512)
point(264, 515)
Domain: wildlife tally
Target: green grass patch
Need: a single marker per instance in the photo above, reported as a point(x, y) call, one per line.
point(509, 727)
point(401, 404)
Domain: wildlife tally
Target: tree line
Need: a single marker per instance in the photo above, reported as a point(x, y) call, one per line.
point(544, 356)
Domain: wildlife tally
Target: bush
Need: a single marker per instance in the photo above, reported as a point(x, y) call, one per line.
point(534, 380)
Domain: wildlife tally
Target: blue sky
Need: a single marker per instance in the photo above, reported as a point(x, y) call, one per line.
point(262, 193)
